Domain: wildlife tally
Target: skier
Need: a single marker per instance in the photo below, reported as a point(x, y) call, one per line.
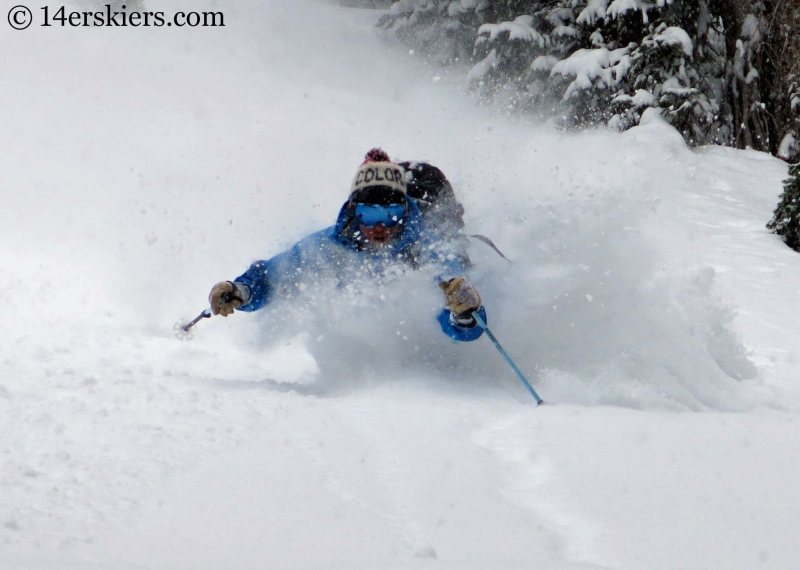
point(378, 227)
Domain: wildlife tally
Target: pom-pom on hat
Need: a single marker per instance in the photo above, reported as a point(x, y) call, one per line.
point(378, 180)
point(376, 155)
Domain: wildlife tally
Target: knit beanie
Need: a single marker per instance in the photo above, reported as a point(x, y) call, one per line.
point(378, 172)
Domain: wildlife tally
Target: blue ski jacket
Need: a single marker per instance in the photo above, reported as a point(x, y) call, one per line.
point(337, 252)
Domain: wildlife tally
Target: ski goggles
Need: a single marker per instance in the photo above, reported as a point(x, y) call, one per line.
point(371, 215)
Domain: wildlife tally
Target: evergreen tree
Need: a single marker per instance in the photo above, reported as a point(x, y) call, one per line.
point(784, 54)
point(591, 62)
point(786, 220)
point(663, 74)
point(509, 53)
point(750, 116)
point(720, 70)
point(440, 29)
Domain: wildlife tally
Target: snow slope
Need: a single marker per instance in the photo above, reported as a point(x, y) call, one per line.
point(646, 299)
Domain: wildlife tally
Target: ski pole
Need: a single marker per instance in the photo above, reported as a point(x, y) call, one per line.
point(204, 315)
point(485, 327)
point(182, 329)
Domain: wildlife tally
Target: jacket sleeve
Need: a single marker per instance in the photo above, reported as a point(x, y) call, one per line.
point(453, 261)
point(264, 279)
point(277, 277)
point(449, 256)
point(463, 334)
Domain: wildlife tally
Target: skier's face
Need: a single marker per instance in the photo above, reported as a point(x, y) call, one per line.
point(381, 220)
point(379, 235)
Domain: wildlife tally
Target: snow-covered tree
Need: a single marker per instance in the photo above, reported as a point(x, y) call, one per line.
point(716, 68)
point(786, 220)
point(441, 29)
point(789, 148)
point(784, 54)
point(583, 61)
point(511, 55)
point(750, 116)
point(604, 61)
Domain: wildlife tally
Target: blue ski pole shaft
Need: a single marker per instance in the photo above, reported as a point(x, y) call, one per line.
point(519, 373)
